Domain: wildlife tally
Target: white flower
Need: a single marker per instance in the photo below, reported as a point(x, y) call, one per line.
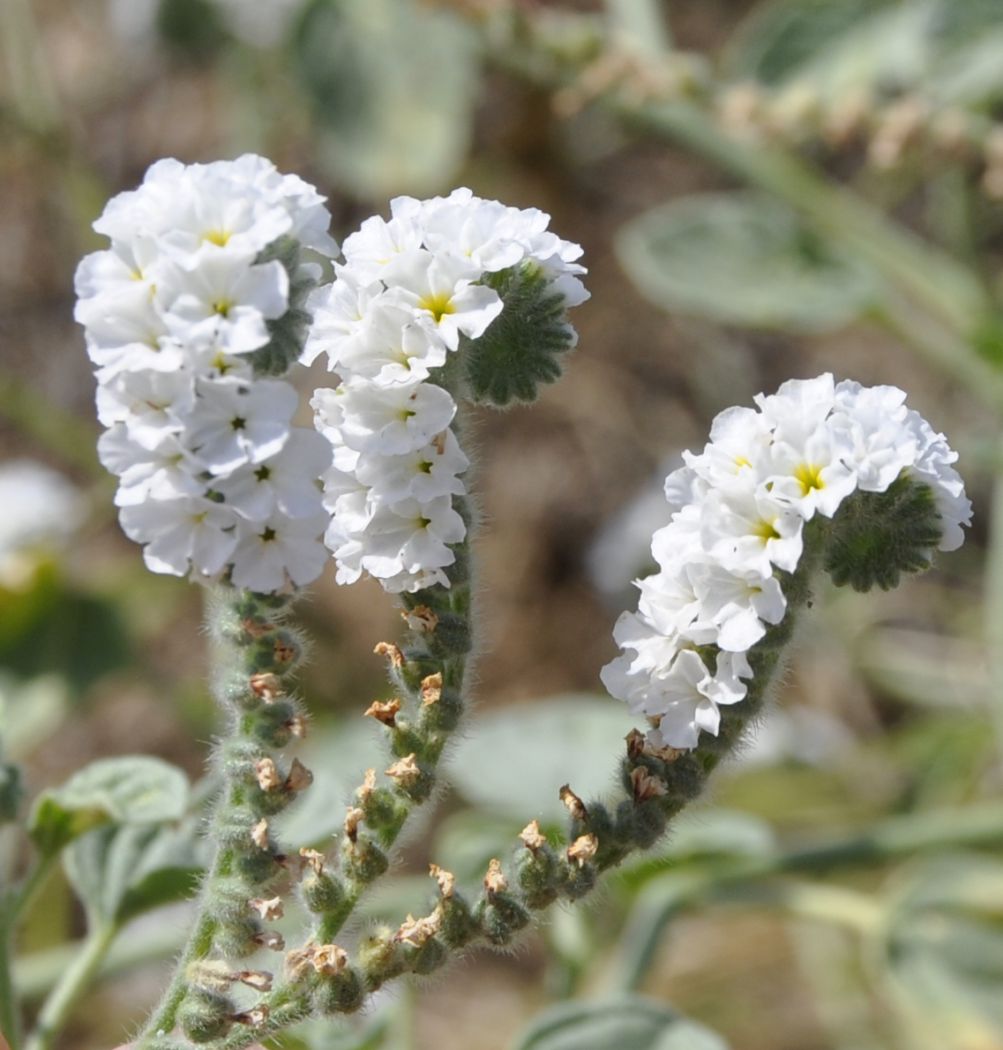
point(202, 447)
point(153, 405)
point(223, 299)
point(378, 243)
point(167, 472)
point(383, 420)
point(692, 697)
point(188, 533)
point(748, 531)
point(812, 475)
point(238, 422)
point(287, 483)
point(340, 311)
point(393, 347)
point(279, 550)
point(440, 291)
point(412, 537)
point(423, 474)
point(876, 442)
point(798, 407)
point(739, 605)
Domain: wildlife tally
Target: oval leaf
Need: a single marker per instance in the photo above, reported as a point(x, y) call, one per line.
point(132, 789)
point(393, 85)
point(120, 872)
point(630, 1023)
point(943, 949)
point(742, 259)
point(516, 760)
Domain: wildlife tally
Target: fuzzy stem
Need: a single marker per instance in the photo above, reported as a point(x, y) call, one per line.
point(72, 987)
point(255, 656)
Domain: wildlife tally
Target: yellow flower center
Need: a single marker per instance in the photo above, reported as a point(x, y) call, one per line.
point(438, 304)
point(217, 237)
point(809, 477)
point(765, 531)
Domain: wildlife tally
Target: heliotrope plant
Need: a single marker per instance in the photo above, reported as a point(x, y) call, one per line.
point(208, 296)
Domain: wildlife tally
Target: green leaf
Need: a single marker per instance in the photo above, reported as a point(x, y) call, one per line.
point(522, 348)
point(133, 789)
point(393, 85)
point(121, 871)
point(779, 40)
point(941, 48)
point(628, 1023)
point(515, 761)
point(942, 948)
point(742, 259)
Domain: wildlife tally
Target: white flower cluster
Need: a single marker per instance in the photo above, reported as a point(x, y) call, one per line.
point(408, 290)
point(211, 472)
point(739, 510)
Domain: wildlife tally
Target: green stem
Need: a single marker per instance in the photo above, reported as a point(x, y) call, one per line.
point(16, 903)
point(662, 899)
point(10, 1015)
point(36, 974)
point(198, 947)
point(255, 654)
point(71, 989)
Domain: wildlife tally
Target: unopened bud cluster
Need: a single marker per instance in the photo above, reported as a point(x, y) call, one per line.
point(440, 276)
point(868, 476)
point(197, 302)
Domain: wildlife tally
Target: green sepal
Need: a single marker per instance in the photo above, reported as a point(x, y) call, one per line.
point(342, 994)
point(205, 1016)
point(877, 536)
point(522, 347)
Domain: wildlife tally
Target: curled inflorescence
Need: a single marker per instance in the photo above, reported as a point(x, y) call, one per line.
point(871, 478)
point(413, 290)
point(197, 302)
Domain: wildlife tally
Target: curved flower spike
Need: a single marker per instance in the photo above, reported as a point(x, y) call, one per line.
point(836, 475)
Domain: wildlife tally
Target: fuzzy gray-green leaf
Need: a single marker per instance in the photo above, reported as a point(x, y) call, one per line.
point(742, 259)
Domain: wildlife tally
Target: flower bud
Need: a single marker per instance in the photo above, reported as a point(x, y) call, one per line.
point(321, 892)
point(340, 994)
point(205, 1015)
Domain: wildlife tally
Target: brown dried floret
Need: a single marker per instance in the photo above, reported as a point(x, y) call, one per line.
point(384, 711)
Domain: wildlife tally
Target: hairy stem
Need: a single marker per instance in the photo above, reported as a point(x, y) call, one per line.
point(255, 655)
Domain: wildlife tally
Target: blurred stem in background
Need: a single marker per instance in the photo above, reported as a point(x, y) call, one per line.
point(32, 92)
point(742, 879)
point(13, 906)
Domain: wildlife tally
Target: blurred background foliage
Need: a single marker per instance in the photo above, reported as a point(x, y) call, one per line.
point(764, 190)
